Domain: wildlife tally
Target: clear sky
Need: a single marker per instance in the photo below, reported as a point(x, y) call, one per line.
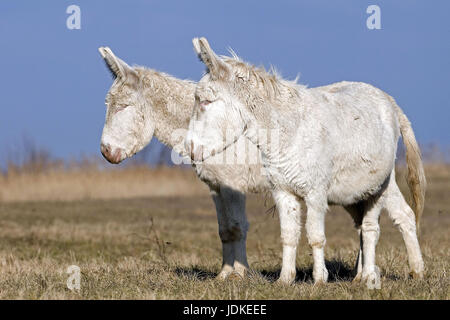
point(53, 82)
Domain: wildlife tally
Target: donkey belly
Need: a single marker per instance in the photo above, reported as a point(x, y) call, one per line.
point(352, 186)
point(361, 169)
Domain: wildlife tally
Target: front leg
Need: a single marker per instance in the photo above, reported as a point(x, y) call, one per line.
point(315, 230)
point(227, 245)
point(237, 227)
point(233, 227)
point(290, 224)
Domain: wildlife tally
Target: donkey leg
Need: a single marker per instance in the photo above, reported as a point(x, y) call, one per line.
point(315, 230)
point(358, 264)
point(238, 225)
point(403, 217)
point(357, 213)
point(290, 222)
point(370, 230)
point(227, 245)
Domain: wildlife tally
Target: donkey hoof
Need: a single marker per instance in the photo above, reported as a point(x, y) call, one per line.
point(286, 278)
point(320, 277)
point(224, 273)
point(320, 282)
point(372, 280)
point(243, 273)
point(357, 278)
point(241, 269)
point(416, 275)
point(234, 276)
point(222, 276)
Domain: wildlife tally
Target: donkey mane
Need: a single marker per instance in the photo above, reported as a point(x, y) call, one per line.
point(152, 78)
point(148, 73)
point(270, 83)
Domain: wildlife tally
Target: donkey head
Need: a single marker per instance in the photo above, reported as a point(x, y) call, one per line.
point(128, 127)
point(218, 119)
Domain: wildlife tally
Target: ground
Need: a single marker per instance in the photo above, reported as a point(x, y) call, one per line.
point(167, 247)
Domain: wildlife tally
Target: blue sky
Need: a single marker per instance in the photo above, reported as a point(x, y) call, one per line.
point(53, 81)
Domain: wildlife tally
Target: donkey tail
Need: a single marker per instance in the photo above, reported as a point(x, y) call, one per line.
point(416, 176)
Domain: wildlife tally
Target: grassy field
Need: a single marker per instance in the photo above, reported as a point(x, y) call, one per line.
point(167, 247)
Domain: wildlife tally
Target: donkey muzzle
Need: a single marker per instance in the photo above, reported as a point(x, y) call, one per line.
point(113, 155)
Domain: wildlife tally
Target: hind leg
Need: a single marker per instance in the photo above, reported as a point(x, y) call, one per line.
point(404, 219)
point(357, 212)
point(370, 231)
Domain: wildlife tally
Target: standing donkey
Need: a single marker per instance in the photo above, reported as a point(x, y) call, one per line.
point(333, 145)
point(143, 102)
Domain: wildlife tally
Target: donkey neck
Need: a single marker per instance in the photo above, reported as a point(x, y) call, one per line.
point(170, 102)
point(273, 123)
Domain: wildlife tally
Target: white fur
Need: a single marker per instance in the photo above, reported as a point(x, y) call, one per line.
point(335, 144)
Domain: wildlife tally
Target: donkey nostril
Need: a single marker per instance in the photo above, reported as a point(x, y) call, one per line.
point(113, 155)
point(117, 156)
point(105, 149)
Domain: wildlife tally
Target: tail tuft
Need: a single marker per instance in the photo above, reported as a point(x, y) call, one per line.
point(416, 176)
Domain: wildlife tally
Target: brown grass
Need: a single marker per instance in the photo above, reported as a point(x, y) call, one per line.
point(93, 183)
point(152, 247)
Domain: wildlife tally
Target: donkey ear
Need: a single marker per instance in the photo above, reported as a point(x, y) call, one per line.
point(118, 68)
point(216, 66)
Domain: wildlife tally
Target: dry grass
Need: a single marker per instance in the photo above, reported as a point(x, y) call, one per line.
point(93, 183)
point(168, 247)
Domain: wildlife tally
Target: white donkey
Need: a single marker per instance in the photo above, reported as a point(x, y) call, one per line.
point(144, 102)
point(334, 145)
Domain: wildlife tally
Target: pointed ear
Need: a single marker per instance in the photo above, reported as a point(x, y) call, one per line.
point(216, 66)
point(118, 68)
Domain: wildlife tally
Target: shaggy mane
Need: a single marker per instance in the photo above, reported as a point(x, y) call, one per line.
point(270, 81)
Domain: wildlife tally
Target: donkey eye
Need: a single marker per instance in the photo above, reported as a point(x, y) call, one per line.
point(120, 108)
point(204, 103)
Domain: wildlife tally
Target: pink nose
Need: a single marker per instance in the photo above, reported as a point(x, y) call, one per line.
point(110, 154)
